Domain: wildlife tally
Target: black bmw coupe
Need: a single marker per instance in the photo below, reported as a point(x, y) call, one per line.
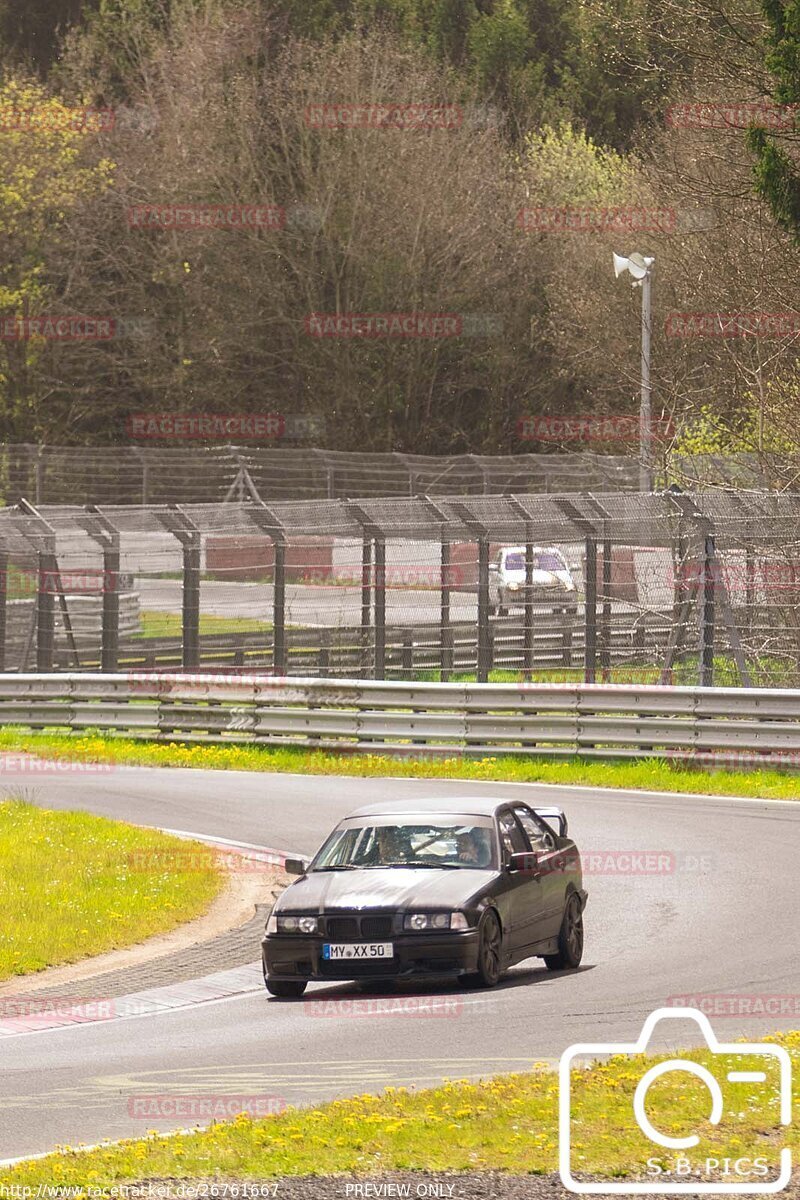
point(432, 887)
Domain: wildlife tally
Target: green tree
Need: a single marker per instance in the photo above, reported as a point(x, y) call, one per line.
point(43, 177)
point(777, 178)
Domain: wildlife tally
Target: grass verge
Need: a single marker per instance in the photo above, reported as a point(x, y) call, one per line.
point(508, 1123)
point(155, 624)
point(643, 774)
point(76, 885)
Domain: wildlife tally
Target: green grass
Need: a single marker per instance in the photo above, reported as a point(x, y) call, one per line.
point(76, 885)
point(643, 774)
point(508, 1123)
point(168, 624)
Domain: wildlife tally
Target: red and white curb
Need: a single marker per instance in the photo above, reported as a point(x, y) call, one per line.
point(28, 1014)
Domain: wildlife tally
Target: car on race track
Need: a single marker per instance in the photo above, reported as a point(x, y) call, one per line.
point(551, 579)
point(435, 887)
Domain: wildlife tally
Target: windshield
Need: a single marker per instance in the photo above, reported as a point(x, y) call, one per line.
point(444, 842)
point(546, 560)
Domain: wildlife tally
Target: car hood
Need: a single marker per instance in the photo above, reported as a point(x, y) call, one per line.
point(541, 578)
point(393, 888)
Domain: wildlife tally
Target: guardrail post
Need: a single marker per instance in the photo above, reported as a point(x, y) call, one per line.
point(590, 615)
point(3, 599)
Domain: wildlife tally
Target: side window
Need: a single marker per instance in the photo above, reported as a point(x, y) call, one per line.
point(511, 835)
point(540, 838)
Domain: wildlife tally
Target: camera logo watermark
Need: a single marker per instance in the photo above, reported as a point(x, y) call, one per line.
point(748, 1073)
point(52, 117)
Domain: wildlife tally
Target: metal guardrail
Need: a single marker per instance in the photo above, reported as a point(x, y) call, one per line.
point(740, 726)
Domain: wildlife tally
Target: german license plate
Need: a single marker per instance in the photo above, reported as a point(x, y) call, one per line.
point(371, 950)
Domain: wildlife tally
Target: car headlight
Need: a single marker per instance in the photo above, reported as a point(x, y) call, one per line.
point(513, 587)
point(417, 922)
point(279, 924)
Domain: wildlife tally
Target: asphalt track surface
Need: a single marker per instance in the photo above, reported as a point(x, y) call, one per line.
point(722, 920)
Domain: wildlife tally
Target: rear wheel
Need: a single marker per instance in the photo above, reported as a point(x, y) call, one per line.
point(490, 953)
point(570, 939)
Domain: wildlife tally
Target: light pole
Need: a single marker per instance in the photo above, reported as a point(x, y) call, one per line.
point(640, 268)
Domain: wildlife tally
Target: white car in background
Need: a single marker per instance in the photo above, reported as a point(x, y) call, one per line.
point(551, 582)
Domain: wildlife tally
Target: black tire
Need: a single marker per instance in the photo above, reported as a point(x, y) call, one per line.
point(490, 953)
point(502, 611)
point(570, 938)
point(285, 989)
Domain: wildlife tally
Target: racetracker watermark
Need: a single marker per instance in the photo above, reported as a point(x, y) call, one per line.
point(48, 117)
point(94, 582)
point(188, 426)
point(731, 324)
point(628, 219)
point(731, 115)
point(384, 116)
point(436, 1007)
point(200, 1107)
point(384, 325)
point(770, 576)
point(23, 764)
point(48, 1010)
point(58, 328)
point(588, 429)
point(756, 1004)
point(206, 216)
point(238, 862)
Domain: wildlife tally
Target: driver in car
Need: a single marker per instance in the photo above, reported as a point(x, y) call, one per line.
point(472, 848)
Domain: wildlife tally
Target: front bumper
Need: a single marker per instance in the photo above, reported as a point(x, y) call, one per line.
point(286, 956)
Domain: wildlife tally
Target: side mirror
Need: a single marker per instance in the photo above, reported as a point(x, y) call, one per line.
point(524, 862)
point(295, 866)
point(494, 566)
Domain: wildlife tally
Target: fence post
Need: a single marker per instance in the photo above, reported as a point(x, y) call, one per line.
point(707, 613)
point(45, 612)
point(527, 652)
point(279, 605)
point(446, 644)
point(3, 600)
point(380, 608)
point(590, 616)
point(484, 648)
point(109, 634)
point(190, 626)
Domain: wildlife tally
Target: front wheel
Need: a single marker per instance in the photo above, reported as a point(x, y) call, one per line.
point(570, 939)
point(285, 989)
point(490, 952)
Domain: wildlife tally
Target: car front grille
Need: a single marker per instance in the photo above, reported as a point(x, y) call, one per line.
point(341, 928)
point(361, 928)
